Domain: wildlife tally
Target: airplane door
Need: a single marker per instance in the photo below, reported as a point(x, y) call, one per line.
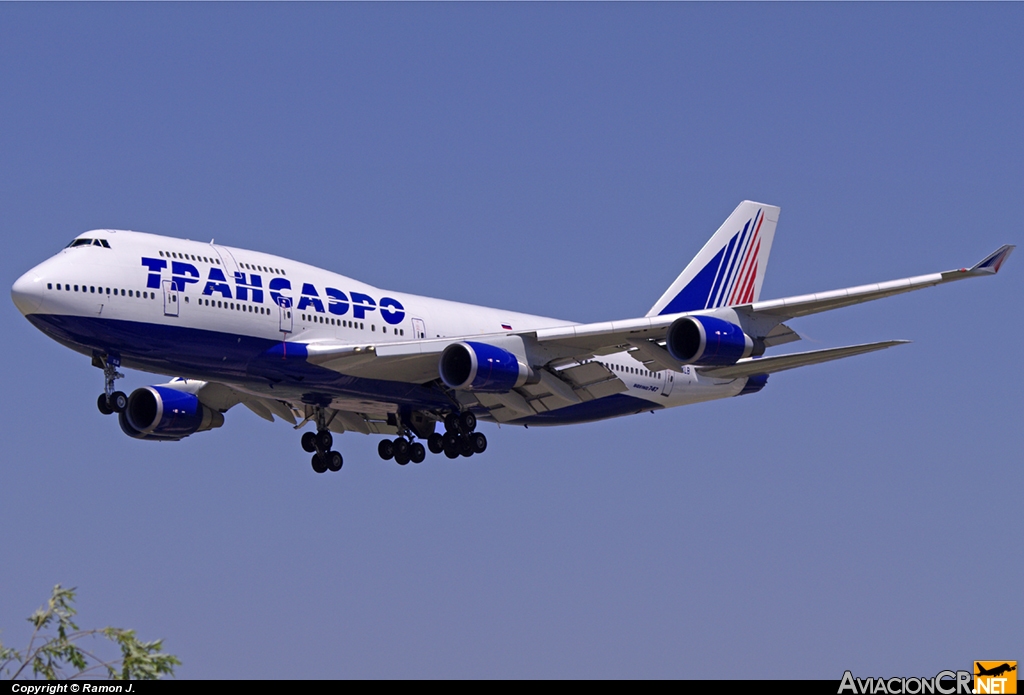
point(285, 307)
point(170, 298)
point(666, 384)
point(418, 329)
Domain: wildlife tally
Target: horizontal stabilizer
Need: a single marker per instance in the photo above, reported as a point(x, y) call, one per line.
point(780, 363)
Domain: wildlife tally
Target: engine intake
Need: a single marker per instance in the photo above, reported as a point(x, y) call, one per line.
point(471, 366)
point(165, 414)
point(706, 340)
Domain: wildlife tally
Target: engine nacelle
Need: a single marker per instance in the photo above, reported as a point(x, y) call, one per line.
point(709, 341)
point(754, 384)
point(165, 414)
point(471, 366)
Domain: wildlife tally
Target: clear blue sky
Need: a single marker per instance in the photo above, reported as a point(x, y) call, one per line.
point(561, 159)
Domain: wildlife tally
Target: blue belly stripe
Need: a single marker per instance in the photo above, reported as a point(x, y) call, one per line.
point(268, 366)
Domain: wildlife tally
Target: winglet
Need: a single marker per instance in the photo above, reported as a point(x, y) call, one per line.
point(990, 264)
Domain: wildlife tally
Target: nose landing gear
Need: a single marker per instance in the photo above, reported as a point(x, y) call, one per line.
point(110, 401)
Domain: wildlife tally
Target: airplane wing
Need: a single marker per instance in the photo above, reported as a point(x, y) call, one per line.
point(614, 336)
point(780, 363)
point(792, 307)
point(416, 361)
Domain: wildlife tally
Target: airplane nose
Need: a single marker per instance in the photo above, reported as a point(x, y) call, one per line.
point(27, 293)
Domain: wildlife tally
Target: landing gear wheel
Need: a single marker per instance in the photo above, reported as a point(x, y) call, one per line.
point(417, 453)
point(435, 443)
point(386, 450)
point(451, 422)
point(309, 441)
point(466, 447)
point(449, 440)
point(401, 447)
point(334, 461)
point(402, 459)
point(319, 465)
point(467, 422)
point(451, 452)
point(324, 440)
point(101, 403)
point(118, 401)
point(479, 442)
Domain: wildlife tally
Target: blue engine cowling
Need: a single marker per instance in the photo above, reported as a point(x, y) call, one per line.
point(471, 366)
point(754, 384)
point(160, 413)
point(705, 340)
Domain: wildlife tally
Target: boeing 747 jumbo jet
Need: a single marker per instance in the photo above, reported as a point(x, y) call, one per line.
point(307, 345)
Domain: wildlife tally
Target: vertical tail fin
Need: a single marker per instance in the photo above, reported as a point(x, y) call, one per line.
point(730, 269)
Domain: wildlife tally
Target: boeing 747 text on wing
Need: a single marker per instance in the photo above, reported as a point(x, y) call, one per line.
point(306, 345)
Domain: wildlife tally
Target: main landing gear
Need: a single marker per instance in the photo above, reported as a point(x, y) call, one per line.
point(319, 444)
point(401, 450)
point(110, 401)
point(459, 439)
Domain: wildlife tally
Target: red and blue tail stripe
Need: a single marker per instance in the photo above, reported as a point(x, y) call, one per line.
point(730, 269)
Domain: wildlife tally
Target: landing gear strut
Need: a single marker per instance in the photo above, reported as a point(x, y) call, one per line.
point(110, 401)
point(319, 444)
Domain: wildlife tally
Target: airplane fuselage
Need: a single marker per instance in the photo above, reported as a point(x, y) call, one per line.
point(214, 313)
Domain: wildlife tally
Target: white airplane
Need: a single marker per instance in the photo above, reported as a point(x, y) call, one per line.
point(307, 345)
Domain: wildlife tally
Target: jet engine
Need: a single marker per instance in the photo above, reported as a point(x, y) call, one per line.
point(470, 366)
point(706, 340)
point(164, 414)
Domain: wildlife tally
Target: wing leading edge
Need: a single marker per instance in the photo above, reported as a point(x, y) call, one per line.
point(792, 307)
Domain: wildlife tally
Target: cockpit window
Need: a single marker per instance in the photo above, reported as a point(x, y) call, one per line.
point(89, 242)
